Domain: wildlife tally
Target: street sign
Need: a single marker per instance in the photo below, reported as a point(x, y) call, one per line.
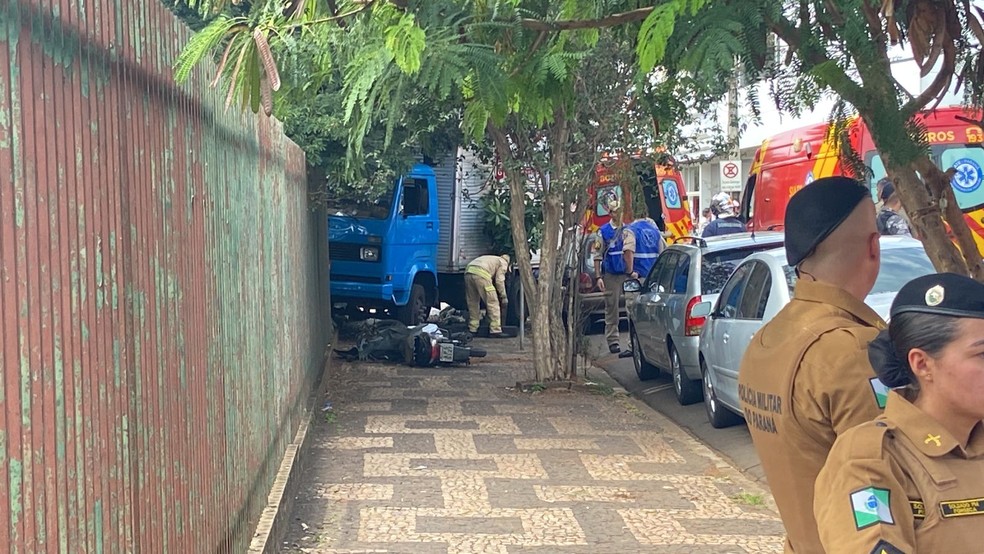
point(731, 178)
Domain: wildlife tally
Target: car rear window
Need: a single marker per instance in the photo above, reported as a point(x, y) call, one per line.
point(898, 267)
point(717, 266)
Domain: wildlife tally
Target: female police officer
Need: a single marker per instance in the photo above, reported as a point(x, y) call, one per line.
point(913, 479)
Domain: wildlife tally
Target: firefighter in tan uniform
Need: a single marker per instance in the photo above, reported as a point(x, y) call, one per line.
point(913, 480)
point(805, 378)
point(485, 281)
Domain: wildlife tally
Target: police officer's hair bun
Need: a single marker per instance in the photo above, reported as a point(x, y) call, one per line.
point(891, 369)
point(889, 352)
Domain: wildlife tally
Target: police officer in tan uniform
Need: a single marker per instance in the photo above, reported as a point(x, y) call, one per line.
point(805, 378)
point(913, 480)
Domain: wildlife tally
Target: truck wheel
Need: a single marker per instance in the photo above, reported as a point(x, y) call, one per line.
point(416, 310)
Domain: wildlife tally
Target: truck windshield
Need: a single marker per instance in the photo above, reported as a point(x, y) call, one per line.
point(967, 160)
point(601, 196)
point(367, 207)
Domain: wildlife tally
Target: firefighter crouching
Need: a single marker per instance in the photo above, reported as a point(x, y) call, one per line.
point(485, 281)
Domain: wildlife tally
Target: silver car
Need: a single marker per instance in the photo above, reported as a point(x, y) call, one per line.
point(760, 286)
point(664, 332)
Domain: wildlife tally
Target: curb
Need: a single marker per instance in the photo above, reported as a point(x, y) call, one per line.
point(274, 521)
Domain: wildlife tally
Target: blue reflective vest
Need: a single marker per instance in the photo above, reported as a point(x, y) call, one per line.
point(649, 242)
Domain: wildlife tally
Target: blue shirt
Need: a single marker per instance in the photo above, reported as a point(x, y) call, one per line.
point(724, 226)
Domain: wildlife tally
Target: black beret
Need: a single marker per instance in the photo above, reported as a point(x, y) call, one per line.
point(941, 294)
point(816, 210)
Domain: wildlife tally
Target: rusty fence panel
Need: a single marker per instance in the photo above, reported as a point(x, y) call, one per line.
point(159, 298)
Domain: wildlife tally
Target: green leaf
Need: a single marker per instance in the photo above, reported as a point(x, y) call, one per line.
point(475, 120)
point(252, 92)
point(201, 45)
point(654, 34)
point(406, 41)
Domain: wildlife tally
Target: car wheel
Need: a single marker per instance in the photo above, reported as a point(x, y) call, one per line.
point(687, 391)
point(644, 370)
point(717, 415)
point(416, 310)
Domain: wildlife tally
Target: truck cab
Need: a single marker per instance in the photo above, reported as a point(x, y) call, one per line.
point(383, 252)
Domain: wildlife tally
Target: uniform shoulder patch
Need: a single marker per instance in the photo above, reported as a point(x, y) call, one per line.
point(885, 547)
point(880, 390)
point(872, 505)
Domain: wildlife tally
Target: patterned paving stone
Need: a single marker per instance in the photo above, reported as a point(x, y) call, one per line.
point(360, 443)
point(357, 491)
point(453, 461)
point(555, 444)
point(369, 407)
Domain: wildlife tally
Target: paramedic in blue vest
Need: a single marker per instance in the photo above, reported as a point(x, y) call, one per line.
point(629, 253)
point(727, 222)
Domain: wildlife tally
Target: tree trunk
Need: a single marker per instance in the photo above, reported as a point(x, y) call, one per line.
point(554, 218)
point(517, 210)
point(552, 358)
point(939, 185)
point(923, 210)
point(548, 281)
point(517, 213)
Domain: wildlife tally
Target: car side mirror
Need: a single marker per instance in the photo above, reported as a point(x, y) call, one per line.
point(701, 309)
point(631, 285)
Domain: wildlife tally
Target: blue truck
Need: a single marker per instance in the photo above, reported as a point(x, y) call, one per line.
point(407, 251)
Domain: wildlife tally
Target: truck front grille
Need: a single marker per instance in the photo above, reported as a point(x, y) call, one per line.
point(344, 251)
point(356, 279)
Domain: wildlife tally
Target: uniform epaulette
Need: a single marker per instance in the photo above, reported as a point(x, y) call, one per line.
point(868, 441)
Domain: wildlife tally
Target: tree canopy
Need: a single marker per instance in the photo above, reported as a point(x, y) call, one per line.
point(552, 84)
point(806, 48)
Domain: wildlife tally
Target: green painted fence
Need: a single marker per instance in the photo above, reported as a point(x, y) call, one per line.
point(159, 300)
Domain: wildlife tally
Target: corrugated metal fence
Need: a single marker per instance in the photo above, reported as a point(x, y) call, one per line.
point(158, 289)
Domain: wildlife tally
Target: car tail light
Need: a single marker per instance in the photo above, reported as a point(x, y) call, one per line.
point(693, 325)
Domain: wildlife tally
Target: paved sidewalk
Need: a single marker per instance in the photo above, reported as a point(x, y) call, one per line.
point(451, 460)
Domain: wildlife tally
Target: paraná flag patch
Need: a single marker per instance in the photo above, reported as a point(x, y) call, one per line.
point(871, 505)
point(880, 390)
